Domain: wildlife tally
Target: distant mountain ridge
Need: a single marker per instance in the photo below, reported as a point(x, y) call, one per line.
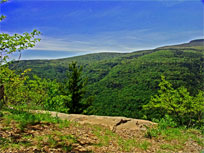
point(197, 40)
point(192, 43)
point(123, 82)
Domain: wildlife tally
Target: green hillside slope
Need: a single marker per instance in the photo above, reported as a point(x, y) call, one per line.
point(122, 83)
point(56, 69)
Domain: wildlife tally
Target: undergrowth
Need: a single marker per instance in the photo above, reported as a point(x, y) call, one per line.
point(24, 118)
point(168, 130)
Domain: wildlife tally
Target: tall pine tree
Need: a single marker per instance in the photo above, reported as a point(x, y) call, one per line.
point(76, 86)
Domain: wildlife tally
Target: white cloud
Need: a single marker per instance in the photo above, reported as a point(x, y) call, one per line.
point(121, 41)
point(170, 3)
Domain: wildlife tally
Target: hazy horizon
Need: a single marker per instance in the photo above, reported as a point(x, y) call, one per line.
point(34, 54)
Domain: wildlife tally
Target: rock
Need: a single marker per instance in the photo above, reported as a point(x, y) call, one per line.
point(46, 149)
point(113, 123)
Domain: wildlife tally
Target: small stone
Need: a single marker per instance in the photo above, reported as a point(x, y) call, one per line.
point(46, 148)
point(83, 150)
point(75, 144)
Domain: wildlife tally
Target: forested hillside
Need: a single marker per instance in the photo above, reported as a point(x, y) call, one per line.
point(122, 83)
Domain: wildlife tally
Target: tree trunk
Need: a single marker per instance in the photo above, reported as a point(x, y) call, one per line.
point(1, 94)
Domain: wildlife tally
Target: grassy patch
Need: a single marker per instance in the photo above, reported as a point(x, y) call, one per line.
point(6, 143)
point(175, 138)
point(144, 145)
point(56, 141)
point(171, 133)
point(127, 145)
point(24, 118)
point(167, 146)
point(171, 147)
point(103, 135)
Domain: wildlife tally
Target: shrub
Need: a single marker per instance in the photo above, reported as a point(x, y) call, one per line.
point(184, 109)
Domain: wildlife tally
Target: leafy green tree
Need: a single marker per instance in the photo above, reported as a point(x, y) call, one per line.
point(183, 108)
point(56, 100)
point(46, 94)
point(15, 90)
point(10, 44)
point(76, 88)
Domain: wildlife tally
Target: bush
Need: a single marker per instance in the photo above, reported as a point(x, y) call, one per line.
point(163, 125)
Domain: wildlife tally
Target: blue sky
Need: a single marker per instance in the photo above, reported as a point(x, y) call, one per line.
point(79, 27)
